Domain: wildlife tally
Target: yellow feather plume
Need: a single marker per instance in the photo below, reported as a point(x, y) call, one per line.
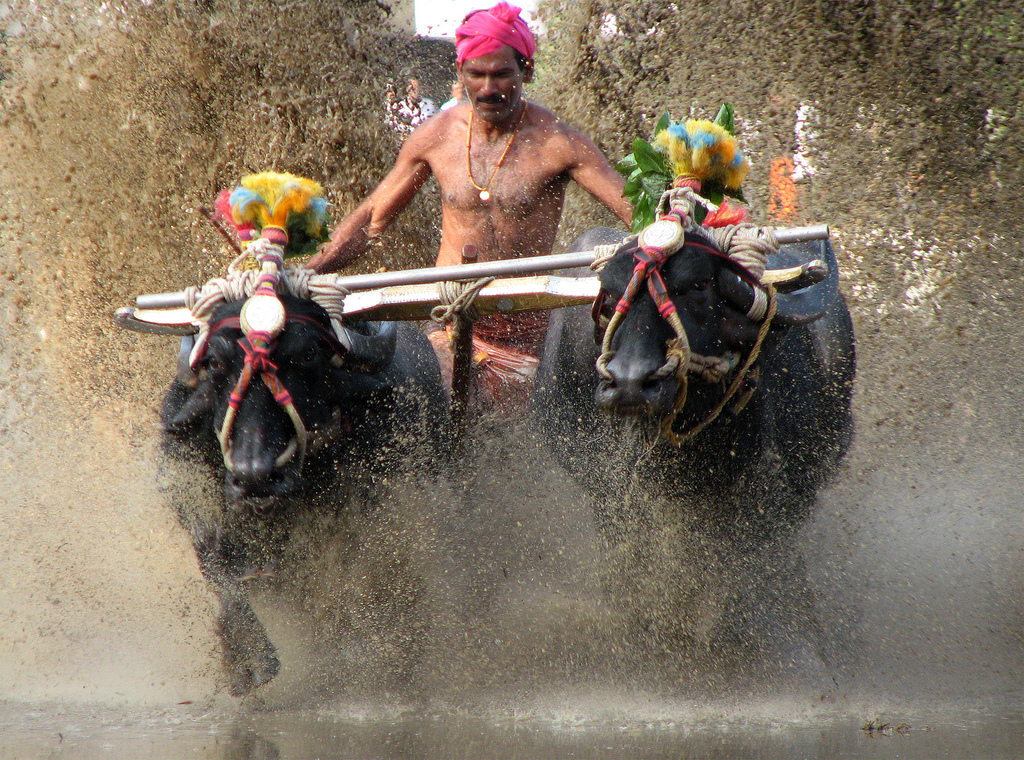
point(705, 151)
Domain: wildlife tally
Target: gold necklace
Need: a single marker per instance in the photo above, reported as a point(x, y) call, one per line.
point(485, 194)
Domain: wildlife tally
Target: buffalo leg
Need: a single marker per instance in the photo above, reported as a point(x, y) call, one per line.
point(249, 656)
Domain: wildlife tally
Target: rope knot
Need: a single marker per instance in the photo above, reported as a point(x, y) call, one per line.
point(257, 346)
point(457, 300)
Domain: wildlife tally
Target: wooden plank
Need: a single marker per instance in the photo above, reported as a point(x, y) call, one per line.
point(407, 302)
point(502, 296)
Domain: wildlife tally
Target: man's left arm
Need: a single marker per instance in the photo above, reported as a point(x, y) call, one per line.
point(591, 171)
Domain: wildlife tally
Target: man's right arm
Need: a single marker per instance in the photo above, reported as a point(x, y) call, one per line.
point(351, 238)
point(592, 171)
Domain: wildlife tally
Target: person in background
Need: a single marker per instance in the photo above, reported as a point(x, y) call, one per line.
point(412, 110)
point(458, 95)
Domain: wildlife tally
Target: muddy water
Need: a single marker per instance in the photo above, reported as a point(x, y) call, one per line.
point(327, 734)
point(120, 118)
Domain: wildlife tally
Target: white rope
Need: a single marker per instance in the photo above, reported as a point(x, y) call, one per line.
point(457, 300)
point(240, 283)
point(684, 199)
point(604, 252)
point(298, 282)
point(746, 244)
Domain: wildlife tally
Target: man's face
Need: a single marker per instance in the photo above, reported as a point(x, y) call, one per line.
point(494, 83)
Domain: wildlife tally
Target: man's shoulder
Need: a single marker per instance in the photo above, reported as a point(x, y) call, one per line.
point(435, 131)
point(554, 127)
point(557, 134)
point(542, 116)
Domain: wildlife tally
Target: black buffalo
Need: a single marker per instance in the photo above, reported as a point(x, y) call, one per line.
point(365, 407)
point(734, 492)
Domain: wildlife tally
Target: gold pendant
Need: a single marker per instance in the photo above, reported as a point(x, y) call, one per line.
point(485, 196)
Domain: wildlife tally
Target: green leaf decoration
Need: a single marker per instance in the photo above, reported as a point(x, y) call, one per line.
point(648, 173)
point(713, 195)
point(726, 119)
point(643, 212)
point(648, 159)
point(654, 185)
point(626, 166)
point(634, 184)
point(663, 123)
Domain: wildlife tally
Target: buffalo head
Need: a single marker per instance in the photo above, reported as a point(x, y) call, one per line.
point(272, 409)
point(694, 315)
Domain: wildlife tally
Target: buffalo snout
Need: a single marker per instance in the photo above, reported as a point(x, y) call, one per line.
point(246, 483)
point(261, 466)
point(636, 387)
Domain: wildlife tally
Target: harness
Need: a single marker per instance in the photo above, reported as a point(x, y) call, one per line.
point(262, 319)
point(258, 345)
point(656, 244)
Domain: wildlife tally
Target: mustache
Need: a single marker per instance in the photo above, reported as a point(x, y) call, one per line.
point(492, 99)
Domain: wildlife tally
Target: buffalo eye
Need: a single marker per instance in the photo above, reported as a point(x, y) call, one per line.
point(216, 365)
point(216, 361)
point(310, 355)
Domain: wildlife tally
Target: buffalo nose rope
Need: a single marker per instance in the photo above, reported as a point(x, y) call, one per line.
point(262, 320)
point(746, 245)
point(271, 204)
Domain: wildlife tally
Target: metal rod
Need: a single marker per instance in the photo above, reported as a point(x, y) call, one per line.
point(802, 234)
point(502, 268)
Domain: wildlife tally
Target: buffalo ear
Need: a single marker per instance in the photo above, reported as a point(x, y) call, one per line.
point(186, 375)
point(199, 402)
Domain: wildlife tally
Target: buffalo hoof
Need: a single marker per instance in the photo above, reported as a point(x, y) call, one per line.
point(249, 671)
point(249, 655)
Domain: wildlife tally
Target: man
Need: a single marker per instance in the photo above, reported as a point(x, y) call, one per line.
point(411, 111)
point(456, 98)
point(502, 166)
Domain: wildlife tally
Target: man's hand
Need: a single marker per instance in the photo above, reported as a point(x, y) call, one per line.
point(349, 240)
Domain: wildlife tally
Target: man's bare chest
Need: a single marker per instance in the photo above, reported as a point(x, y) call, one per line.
point(517, 180)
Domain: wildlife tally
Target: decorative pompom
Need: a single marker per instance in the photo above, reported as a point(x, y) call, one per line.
point(222, 212)
point(726, 214)
point(284, 201)
point(705, 151)
point(702, 155)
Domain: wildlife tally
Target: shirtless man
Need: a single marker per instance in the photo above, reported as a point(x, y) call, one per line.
point(502, 166)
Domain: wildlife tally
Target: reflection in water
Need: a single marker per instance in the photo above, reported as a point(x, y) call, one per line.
point(923, 736)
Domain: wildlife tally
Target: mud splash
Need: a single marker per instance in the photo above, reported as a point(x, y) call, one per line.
point(120, 118)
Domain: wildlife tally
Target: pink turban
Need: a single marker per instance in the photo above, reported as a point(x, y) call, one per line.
point(483, 32)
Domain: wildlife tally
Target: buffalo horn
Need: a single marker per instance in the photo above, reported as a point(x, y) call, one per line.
point(373, 352)
point(186, 375)
point(806, 305)
point(799, 307)
point(199, 402)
